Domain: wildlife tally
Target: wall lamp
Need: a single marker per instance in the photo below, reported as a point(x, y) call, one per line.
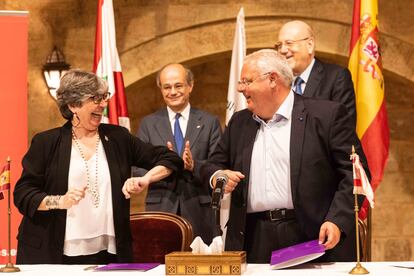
point(53, 69)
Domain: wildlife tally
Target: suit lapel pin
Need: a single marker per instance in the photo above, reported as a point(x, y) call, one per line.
point(106, 138)
point(198, 126)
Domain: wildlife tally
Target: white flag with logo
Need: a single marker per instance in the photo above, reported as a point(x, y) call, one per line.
point(235, 101)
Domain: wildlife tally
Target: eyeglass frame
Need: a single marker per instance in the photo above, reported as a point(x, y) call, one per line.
point(289, 43)
point(97, 99)
point(247, 82)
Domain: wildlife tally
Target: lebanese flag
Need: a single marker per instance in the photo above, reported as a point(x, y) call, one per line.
point(366, 69)
point(361, 182)
point(106, 64)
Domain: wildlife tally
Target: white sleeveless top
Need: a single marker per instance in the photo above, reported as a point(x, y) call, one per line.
point(90, 229)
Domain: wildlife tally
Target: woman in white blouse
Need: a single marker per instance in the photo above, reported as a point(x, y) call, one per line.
point(75, 186)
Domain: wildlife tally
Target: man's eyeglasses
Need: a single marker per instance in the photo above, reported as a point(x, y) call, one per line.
point(97, 99)
point(288, 43)
point(245, 83)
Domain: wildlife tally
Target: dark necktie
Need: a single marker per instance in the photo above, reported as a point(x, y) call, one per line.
point(178, 134)
point(298, 85)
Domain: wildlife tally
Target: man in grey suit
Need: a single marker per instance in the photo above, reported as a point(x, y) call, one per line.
point(314, 78)
point(200, 132)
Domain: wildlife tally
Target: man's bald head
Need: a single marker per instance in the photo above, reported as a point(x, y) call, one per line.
point(296, 42)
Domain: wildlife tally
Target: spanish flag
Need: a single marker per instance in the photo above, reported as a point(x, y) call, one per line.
point(106, 64)
point(4, 179)
point(366, 69)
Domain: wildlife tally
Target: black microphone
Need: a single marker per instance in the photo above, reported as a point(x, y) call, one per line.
point(217, 195)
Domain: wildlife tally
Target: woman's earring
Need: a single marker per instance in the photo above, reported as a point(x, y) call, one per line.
point(77, 118)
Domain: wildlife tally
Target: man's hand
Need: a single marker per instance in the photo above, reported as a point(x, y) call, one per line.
point(187, 155)
point(329, 235)
point(234, 178)
point(170, 146)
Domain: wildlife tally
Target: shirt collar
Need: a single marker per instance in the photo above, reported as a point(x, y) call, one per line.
point(284, 111)
point(185, 113)
point(305, 74)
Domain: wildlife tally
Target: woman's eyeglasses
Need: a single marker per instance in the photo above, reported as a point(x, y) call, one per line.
point(97, 99)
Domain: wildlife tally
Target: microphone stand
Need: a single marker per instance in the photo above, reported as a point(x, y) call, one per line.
point(217, 227)
point(216, 198)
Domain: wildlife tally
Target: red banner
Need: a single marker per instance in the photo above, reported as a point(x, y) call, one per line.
point(13, 113)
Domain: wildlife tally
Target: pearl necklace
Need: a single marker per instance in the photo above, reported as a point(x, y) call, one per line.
point(94, 190)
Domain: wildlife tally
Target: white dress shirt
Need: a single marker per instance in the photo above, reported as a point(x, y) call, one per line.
point(183, 120)
point(269, 181)
point(304, 76)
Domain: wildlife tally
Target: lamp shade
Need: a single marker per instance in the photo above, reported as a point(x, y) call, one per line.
point(53, 70)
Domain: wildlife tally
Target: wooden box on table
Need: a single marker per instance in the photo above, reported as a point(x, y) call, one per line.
point(187, 263)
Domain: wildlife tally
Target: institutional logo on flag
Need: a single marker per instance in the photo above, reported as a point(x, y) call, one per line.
point(361, 182)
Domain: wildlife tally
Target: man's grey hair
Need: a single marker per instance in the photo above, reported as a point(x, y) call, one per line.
point(268, 60)
point(189, 76)
point(75, 87)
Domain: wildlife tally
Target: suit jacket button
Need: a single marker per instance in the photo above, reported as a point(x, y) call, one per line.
point(241, 233)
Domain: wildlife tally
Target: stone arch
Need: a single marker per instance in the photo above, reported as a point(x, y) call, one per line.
point(201, 45)
point(202, 42)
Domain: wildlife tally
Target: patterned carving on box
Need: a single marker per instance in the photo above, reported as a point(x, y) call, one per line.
point(190, 269)
point(235, 269)
point(187, 263)
point(215, 269)
point(171, 269)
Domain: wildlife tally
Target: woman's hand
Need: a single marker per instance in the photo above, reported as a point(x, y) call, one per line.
point(135, 185)
point(72, 197)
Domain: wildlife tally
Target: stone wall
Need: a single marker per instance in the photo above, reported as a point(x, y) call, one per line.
point(200, 34)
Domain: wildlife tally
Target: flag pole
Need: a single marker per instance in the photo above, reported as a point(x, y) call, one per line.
point(9, 266)
point(358, 268)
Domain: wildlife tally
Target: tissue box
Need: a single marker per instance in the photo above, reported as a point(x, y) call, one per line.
point(188, 263)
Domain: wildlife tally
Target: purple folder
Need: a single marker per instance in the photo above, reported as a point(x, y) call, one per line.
point(128, 266)
point(296, 254)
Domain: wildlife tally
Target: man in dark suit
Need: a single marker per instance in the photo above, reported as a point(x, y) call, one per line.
point(287, 161)
point(200, 133)
point(314, 78)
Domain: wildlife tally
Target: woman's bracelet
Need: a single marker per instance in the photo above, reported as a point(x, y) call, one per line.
point(52, 202)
